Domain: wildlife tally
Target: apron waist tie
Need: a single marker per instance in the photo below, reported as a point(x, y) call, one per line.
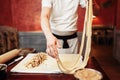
point(65, 38)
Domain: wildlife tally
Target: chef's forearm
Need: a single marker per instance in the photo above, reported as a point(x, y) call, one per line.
point(45, 24)
point(46, 27)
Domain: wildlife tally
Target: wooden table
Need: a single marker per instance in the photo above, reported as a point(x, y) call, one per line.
point(92, 63)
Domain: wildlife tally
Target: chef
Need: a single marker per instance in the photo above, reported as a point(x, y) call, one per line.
point(58, 22)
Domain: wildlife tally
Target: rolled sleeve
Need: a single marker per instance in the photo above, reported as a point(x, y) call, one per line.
point(83, 3)
point(47, 3)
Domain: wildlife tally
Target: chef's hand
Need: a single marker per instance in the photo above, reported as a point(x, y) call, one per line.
point(52, 45)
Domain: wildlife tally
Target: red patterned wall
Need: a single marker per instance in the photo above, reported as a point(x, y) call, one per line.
point(106, 14)
point(118, 16)
point(25, 15)
point(81, 16)
point(5, 12)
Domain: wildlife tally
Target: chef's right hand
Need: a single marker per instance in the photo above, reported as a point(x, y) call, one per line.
point(52, 45)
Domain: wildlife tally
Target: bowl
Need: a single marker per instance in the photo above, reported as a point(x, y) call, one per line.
point(88, 74)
